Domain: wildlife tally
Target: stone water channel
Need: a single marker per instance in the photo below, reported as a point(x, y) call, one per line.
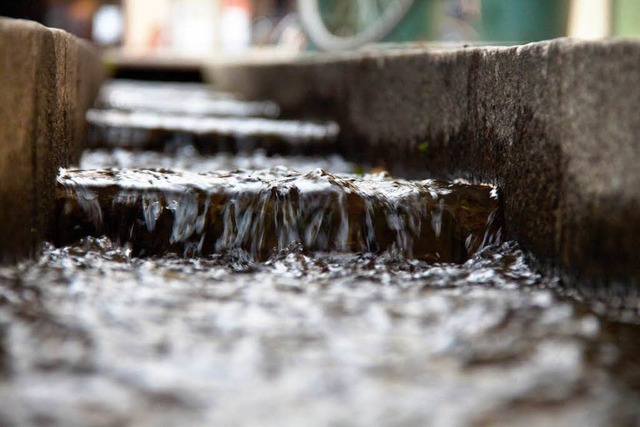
point(212, 265)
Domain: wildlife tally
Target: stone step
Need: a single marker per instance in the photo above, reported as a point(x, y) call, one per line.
point(152, 130)
point(159, 211)
point(188, 99)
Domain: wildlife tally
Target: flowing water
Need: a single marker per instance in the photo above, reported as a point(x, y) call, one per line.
point(366, 300)
point(169, 116)
point(159, 211)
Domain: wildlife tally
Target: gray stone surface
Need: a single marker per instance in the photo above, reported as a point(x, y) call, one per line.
point(555, 124)
point(47, 80)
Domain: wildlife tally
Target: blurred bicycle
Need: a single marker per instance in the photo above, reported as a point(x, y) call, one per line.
point(348, 24)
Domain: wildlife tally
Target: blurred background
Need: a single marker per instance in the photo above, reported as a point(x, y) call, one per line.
point(204, 28)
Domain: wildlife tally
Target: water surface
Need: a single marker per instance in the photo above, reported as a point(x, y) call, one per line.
point(98, 332)
point(91, 335)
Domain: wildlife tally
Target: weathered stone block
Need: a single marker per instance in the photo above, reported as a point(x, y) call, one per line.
point(554, 124)
point(41, 116)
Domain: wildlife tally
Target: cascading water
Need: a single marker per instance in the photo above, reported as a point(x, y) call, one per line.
point(262, 211)
point(228, 289)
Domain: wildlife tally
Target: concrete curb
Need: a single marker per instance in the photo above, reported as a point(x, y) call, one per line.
point(48, 79)
point(555, 124)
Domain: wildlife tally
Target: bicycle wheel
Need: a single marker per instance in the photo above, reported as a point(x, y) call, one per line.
point(343, 25)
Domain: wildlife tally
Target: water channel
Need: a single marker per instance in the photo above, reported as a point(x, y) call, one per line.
point(190, 282)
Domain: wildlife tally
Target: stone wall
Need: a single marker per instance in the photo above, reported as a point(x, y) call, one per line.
point(554, 124)
point(48, 79)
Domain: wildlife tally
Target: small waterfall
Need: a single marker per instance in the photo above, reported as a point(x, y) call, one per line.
point(161, 211)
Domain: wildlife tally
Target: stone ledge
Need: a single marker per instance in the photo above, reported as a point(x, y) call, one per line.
point(48, 79)
point(555, 124)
